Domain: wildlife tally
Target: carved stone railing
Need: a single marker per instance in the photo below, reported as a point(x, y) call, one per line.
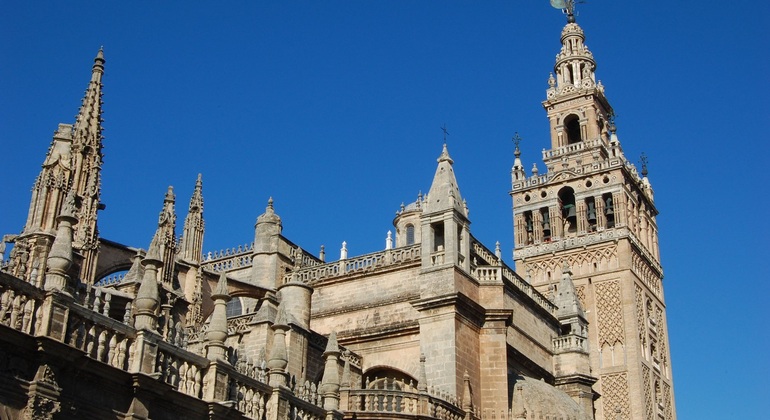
point(569, 342)
point(229, 263)
point(20, 305)
point(180, 368)
point(250, 396)
point(571, 148)
point(497, 271)
point(362, 264)
point(401, 404)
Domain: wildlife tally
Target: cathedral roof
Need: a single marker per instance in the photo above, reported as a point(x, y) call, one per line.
point(545, 401)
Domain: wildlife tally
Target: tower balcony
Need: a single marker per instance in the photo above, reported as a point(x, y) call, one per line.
point(597, 143)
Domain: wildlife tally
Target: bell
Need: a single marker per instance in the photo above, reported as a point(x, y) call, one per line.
point(591, 212)
point(546, 222)
point(569, 210)
point(608, 208)
point(529, 225)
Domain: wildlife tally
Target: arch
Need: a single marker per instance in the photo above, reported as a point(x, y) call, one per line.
point(572, 128)
point(234, 308)
point(389, 378)
point(568, 210)
point(410, 234)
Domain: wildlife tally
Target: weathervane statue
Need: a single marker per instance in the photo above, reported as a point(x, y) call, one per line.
point(567, 6)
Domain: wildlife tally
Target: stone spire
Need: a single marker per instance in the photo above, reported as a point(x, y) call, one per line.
point(73, 162)
point(60, 258)
point(166, 234)
point(87, 143)
point(191, 244)
point(444, 193)
point(217, 332)
point(147, 301)
point(566, 298)
point(517, 172)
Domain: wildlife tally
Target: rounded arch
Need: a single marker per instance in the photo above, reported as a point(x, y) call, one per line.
point(410, 234)
point(568, 210)
point(572, 128)
point(388, 377)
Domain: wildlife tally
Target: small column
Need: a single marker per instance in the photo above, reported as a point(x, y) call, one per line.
point(217, 333)
point(330, 383)
point(60, 258)
point(278, 357)
point(147, 300)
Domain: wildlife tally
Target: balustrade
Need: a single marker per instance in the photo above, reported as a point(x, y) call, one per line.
point(361, 264)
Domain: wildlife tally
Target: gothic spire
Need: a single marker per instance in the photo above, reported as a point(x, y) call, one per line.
point(191, 244)
point(166, 234)
point(73, 162)
point(566, 298)
point(444, 193)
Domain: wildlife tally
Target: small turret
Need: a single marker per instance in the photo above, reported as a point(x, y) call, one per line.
point(265, 259)
point(166, 234)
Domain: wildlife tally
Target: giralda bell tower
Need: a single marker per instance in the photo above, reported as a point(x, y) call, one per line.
point(592, 210)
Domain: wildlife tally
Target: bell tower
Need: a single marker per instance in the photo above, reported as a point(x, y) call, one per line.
point(592, 211)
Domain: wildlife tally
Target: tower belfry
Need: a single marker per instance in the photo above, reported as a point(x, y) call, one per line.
point(593, 212)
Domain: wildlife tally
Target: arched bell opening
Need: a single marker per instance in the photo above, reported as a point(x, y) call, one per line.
point(609, 210)
point(591, 213)
point(572, 127)
point(568, 210)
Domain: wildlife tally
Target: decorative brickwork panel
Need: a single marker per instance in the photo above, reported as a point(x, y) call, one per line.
point(643, 270)
point(581, 295)
point(609, 313)
point(641, 321)
point(647, 387)
point(615, 396)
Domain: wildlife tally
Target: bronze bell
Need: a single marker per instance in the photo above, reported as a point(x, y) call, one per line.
point(529, 224)
point(591, 212)
point(546, 222)
point(569, 210)
point(608, 208)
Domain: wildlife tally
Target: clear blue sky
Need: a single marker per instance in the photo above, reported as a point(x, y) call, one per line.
point(334, 108)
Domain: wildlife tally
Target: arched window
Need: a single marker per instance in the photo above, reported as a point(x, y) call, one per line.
point(572, 126)
point(234, 308)
point(410, 234)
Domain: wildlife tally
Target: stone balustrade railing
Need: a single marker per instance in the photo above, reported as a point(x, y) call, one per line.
point(569, 342)
point(571, 148)
point(361, 264)
point(401, 404)
point(20, 305)
point(497, 271)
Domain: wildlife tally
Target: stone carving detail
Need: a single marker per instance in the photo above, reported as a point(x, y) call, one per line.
point(40, 408)
point(581, 263)
point(647, 386)
point(643, 270)
point(615, 395)
point(641, 323)
point(662, 341)
point(669, 408)
point(609, 313)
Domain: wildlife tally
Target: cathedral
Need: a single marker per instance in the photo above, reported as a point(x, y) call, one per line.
point(434, 326)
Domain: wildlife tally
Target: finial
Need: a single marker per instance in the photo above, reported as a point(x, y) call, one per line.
point(516, 140)
point(170, 193)
point(446, 133)
point(565, 268)
point(643, 160)
point(199, 181)
point(445, 155)
point(270, 203)
point(567, 7)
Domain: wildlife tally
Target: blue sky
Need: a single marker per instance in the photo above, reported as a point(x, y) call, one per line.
point(333, 108)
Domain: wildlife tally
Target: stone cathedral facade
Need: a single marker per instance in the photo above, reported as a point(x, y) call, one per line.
point(435, 326)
